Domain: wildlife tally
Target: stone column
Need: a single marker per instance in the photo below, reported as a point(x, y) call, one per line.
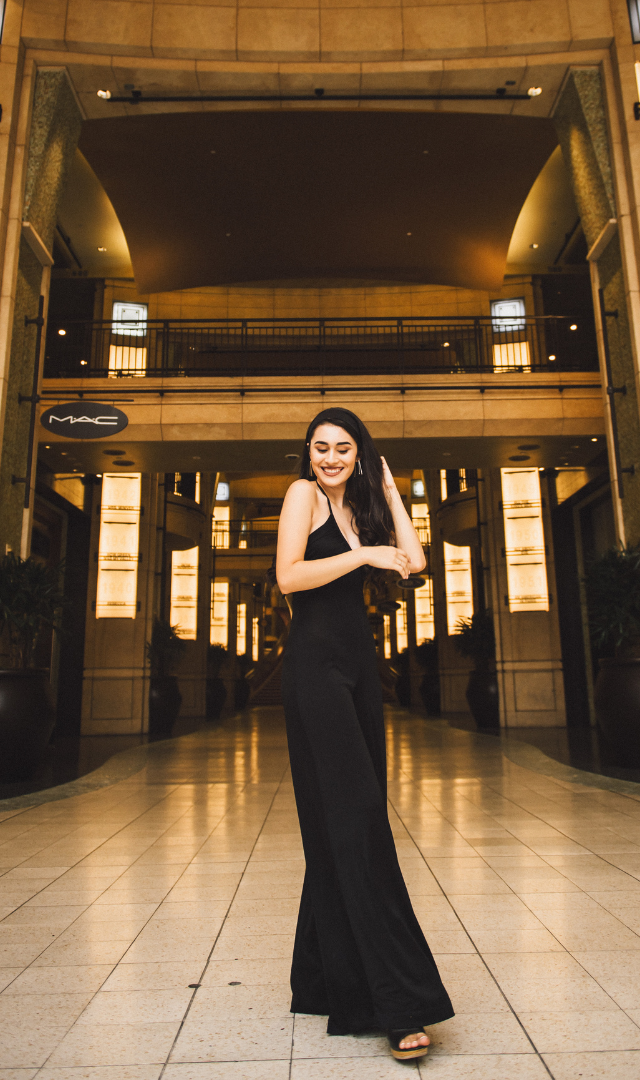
point(581, 123)
point(54, 133)
point(528, 654)
point(115, 698)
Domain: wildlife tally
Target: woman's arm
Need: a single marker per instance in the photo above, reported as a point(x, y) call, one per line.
point(406, 535)
point(294, 574)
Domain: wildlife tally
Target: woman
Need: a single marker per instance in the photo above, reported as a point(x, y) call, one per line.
point(359, 955)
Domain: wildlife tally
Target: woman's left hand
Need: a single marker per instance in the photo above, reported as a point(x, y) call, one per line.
point(388, 483)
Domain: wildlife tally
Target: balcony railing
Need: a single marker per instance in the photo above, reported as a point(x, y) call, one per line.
point(239, 534)
point(319, 347)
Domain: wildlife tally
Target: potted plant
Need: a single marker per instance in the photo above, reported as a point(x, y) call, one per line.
point(427, 657)
point(163, 652)
point(475, 638)
point(30, 603)
point(216, 690)
point(613, 599)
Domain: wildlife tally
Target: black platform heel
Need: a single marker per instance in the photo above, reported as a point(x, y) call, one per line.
point(396, 1036)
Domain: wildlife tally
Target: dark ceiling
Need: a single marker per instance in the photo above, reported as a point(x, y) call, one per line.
point(317, 196)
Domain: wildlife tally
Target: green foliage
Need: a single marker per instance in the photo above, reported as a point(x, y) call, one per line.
point(476, 639)
point(30, 602)
point(613, 598)
point(216, 656)
point(165, 648)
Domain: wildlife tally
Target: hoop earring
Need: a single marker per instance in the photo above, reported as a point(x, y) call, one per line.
point(359, 464)
point(312, 475)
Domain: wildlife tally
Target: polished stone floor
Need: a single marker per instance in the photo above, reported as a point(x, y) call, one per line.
point(147, 924)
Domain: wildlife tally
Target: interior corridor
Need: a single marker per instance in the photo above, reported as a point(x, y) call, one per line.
point(148, 916)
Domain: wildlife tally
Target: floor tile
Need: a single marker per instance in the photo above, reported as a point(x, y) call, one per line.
point(115, 1044)
point(572, 1031)
point(209, 1039)
point(137, 1006)
point(484, 1067)
point(614, 1065)
point(229, 1070)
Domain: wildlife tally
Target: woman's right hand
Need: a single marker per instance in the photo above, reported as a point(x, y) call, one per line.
point(387, 558)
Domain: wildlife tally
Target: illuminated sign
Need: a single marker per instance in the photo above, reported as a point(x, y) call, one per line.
point(116, 596)
point(524, 540)
point(458, 585)
point(84, 420)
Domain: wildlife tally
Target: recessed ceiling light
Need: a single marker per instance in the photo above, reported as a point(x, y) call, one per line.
point(534, 246)
point(552, 356)
point(113, 453)
point(228, 234)
point(409, 234)
point(47, 447)
point(576, 447)
point(534, 91)
point(292, 457)
point(98, 476)
point(83, 363)
point(594, 440)
point(212, 151)
point(62, 333)
point(519, 457)
point(425, 151)
point(529, 446)
point(445, 453)
point(102, 249)
point(196, 457)
point(63, 453)
point(573, 326)
point(446, 345)
point(104, 94)
point(124, 463)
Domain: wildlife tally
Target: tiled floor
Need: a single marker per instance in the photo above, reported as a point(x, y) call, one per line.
point(115, 901)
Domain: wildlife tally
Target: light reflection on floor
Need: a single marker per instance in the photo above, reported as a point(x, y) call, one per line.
point(113, 902)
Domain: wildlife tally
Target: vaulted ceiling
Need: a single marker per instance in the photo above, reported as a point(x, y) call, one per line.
point(224, 197)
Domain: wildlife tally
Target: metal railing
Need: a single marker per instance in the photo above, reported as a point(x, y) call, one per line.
point(255, 533)
point(319, 347)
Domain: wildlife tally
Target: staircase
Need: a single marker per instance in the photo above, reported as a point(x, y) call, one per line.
point(270, 691)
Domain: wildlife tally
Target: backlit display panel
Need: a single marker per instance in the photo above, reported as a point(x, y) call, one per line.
point(524, 540)
point(184, 592)
point(118, 549)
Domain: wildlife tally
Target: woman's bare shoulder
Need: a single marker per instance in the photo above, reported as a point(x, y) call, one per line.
point(301, 491)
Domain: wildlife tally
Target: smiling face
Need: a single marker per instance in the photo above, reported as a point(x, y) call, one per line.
point(333, 455)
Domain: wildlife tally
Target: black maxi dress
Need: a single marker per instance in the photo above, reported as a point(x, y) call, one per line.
point(359, 954)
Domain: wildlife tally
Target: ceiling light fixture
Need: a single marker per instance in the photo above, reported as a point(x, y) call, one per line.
point(102, 249)
point(573, 326)
point(409, 234)
point(446, 345)
point(594, 440)
point(104, 94)
point(534, 91)
point(47, 447)
point(534, 246)
point(83, 363)
point(62, 332)
point(552, 356)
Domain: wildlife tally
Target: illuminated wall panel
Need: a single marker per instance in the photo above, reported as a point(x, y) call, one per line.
point(220, 527)
point(443, 484)
point(387, 637)
point(420, 519)
point(241, 629)
point(128, 359)
point(401, 626)
point(219, 631)
point(184, 592)
point(425, 627)
point(524, 540)
point(118, 551)
point(458, 585)
point(255, 638)
point(511, 354)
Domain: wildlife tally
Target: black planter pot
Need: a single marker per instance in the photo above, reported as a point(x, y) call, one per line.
point(617, 702)
point(430, 693)
point(216, 697)
point(27, 716)
point(241, 693)
point(483, 699)
point(164, 704)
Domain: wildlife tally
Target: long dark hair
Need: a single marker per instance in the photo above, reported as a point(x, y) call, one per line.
point(364, 492)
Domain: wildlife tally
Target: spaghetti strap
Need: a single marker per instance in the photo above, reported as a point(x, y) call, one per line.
point(326, 497)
